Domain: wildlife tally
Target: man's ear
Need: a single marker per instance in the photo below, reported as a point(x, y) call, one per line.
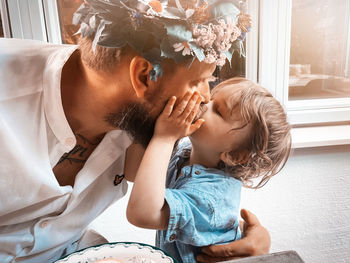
point(235, 158)
point(139, 75)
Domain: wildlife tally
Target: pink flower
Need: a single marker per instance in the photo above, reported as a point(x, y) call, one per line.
point(215, 39)
point(210, 57)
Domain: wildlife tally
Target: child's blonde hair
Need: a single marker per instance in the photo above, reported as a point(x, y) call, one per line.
point(270, 144)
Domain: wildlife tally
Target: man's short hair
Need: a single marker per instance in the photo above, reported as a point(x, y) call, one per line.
point(103, 58)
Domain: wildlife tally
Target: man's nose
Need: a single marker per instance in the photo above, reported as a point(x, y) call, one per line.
point(205, 93)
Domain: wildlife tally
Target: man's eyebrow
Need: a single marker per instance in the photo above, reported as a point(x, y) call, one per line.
point(208, 76)
point(211, 78)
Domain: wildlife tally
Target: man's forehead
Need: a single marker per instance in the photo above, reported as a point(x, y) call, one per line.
point(196, 71)
point(201, 70)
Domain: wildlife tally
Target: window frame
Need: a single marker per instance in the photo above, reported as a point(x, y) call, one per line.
point(52, 21)
point(316, 122)
point(347, 59)
point(252, 42)
point(25, 19)
point(274, 57)
point(5, 19)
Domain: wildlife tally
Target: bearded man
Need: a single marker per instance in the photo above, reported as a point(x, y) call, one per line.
point(69, 114)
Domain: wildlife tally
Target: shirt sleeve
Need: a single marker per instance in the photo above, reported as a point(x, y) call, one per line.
point(199, 218)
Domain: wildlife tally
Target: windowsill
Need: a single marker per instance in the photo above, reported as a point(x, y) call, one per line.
point(320, 136)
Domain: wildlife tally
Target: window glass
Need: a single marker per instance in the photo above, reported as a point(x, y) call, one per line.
point(66, 9)
point(320, 49)
point(236, 69)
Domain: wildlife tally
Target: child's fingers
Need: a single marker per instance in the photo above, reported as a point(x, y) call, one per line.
point(182, 105)
point(168, 109)
point(196, 126)
point(192, 115)
point(190, 107)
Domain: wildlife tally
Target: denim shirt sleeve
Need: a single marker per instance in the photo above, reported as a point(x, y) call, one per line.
point(203, 209)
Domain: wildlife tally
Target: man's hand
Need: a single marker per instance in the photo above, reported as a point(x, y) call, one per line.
point(255, 241)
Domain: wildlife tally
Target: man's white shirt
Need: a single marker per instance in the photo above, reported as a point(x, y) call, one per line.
point(39, 219)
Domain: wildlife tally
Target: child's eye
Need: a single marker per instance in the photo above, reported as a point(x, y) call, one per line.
point(216, 110)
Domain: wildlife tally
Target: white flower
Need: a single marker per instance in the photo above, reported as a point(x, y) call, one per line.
point(236, 33)
point(189, 13)
point(210, 56)
point(156, 7)
point(186, 50)
point(215, 39)
point(221, 60)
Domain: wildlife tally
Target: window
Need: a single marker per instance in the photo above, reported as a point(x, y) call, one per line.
point(319, 50)
point(281, 44)
point(23, 19)
point(318, 118)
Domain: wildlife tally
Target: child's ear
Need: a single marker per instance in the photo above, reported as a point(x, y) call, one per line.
point(235, 158)
point(139, 75)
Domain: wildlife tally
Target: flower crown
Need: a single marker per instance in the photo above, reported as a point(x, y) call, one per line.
point(209, 30)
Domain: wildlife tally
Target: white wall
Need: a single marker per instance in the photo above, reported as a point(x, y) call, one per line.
point(305, 208)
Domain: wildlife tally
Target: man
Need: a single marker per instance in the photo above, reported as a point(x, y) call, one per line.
point(68, 115)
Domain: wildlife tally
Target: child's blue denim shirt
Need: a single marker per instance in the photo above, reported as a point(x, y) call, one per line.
point(204, 208)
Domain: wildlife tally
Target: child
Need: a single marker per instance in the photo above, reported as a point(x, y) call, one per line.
point(242, 134)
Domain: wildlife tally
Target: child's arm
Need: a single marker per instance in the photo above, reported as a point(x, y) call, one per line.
point(147, 207)
point(133, 158)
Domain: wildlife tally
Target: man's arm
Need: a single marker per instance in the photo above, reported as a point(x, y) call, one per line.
point(256, 241)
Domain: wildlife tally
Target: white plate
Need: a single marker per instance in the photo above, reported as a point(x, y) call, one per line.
point(126, 252)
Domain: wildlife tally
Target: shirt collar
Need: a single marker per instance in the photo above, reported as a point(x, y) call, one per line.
point(52, 96)
point(183, 155)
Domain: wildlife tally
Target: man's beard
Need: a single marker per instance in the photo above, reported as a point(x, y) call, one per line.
point(135, 119)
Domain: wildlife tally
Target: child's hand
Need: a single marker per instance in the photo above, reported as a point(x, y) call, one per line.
point(174, 123)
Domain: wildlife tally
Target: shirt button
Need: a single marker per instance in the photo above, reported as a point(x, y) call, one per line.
point(43, 224)
point(69, 141)
point(172, 237)
point(197, 172)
